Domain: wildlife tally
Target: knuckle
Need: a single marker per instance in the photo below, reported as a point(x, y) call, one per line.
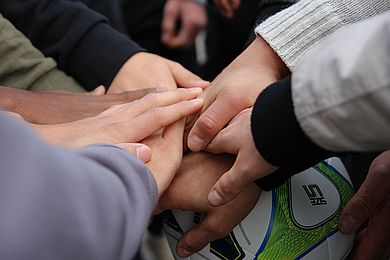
point(225, 187)
point(192, 244)
point(215, 229)
point(150, 98)
point(360, 204)
point(208, 123)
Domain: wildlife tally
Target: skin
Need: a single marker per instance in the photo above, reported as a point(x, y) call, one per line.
point(127, 123)
point(227, 7)
point(146, 70)
point(234, 90)
point(192, 18)
point(56, 107)
point(368, 212)
point(249, 166)
point(188, 191)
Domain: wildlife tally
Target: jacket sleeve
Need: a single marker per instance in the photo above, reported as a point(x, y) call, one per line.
point(92, 203)
point(345, 96)
point(337, 101)
point(79, 39)
point(296, 29)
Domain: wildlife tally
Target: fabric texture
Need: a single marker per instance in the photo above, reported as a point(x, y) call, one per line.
point(23, 66)
point(93, 203)
point(79, 39)
point(294, 30)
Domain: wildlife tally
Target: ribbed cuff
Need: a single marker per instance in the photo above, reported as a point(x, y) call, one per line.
point(294, 30)
point(279, 137)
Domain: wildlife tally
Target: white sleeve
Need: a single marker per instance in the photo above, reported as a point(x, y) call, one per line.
point(294, 30)
point(341, 88)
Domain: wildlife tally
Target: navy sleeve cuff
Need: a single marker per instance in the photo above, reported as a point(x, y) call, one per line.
point(279, 137)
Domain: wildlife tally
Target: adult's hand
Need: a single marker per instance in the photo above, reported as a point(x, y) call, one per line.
point(167, 154)
point(56, 107)
point(369, 211)
point(126, 123)
point(249, 166)
point(146, 70)
point(227, 7)
point(188, 191)
point(234, 90)
point(181, 23)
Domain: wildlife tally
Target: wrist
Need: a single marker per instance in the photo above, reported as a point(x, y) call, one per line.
point(268, 59)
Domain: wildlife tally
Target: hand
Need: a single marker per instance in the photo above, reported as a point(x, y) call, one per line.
point(234, 90)
point(56, 107)
point(188, 191)
point(146, 70)
point(249, 166)
point(227, 7)
point(126, 123)
point(192, 18)
point(370, 208)
point(167, 153)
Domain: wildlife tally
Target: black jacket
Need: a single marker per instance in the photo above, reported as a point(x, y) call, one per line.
point(79, 39)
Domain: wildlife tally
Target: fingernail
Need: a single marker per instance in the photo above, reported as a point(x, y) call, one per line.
point(182, 252)
point(197, 101)
point(196, 90)
point(215, 198)
point(196, 143)
point(143, 153)
point(348, 224)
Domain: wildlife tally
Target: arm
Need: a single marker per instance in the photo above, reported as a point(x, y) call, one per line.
point(92, 203)
point(61, 107)
point(338, 106)
point(285, 36)
point(296, 29)
point(80, 40)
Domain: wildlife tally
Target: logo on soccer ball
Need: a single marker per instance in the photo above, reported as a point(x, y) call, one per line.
point(314, 194)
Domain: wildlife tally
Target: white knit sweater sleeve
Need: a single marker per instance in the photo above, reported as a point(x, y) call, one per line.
point(294, 30)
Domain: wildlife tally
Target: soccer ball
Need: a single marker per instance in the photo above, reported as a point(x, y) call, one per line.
point(297, 220)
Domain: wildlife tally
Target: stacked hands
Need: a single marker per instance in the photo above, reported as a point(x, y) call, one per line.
point(213, 120)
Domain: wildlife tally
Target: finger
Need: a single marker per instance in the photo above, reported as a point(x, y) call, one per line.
point(210, 122)
point(232, 182)
point(142, 151)
point(136, 94)
point(375, 242)
point(187, 34)
point(223, 142)
point(171, 15)
point(157, 118)
point(185, 78)
point(99, 91)
point(196, 239)
point(235, 4)
point(371, 194)
point(162, 99)
point(227, 9)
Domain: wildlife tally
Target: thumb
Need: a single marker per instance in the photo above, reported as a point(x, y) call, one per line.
point(185, 78)
point(99, 91)
point(370, 196)
point(231, 183)
point(142, 151)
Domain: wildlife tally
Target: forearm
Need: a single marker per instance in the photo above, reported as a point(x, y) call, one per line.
point(294, 30)
point(93, 203)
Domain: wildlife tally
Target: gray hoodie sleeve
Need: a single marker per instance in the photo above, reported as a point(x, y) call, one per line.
point(93, 203)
